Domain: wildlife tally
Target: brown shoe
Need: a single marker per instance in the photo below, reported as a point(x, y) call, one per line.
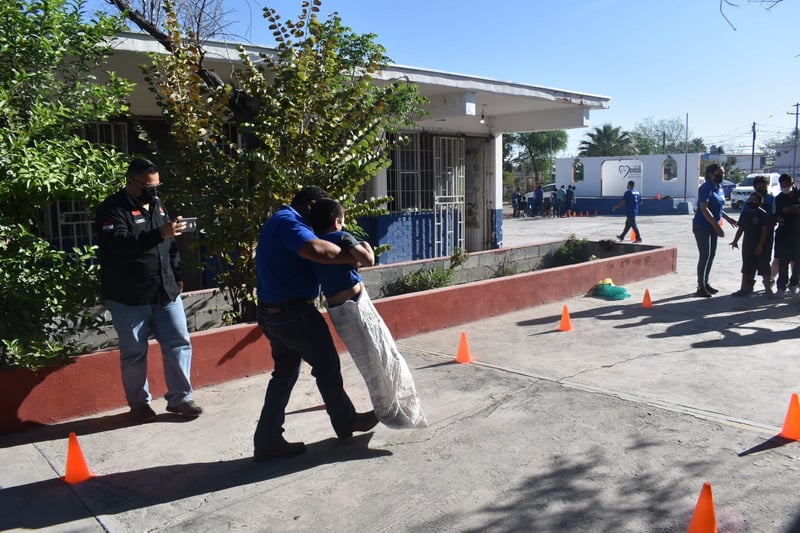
point(281, 449)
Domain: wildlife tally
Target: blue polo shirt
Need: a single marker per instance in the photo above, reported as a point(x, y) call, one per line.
point(711, 193)
point(336, 278)
point(281, 273)
point(632, 200)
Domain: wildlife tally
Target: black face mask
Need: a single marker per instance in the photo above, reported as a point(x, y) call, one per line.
point(718, 178)
point(148, 194)
point(752, 205)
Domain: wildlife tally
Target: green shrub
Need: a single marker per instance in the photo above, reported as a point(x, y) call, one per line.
point(426, 278)
point(573, 251)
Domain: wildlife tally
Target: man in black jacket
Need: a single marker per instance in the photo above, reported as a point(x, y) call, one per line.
point(141, 283)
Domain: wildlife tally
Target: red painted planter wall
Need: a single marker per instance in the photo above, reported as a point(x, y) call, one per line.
point(93, 384)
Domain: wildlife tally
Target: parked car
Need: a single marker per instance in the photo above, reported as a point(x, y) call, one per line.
point(727, 188)
point(742, 192)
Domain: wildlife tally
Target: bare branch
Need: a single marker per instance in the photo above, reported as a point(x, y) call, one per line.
point(722, 11)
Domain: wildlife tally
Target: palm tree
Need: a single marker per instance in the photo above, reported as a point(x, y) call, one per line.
point(607, 140)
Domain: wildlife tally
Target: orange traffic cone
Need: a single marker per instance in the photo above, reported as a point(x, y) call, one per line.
point(791, 426)
point(464, 355)
point(658, 196)
point(566, 323)
point(647, 303)
point(595, 212)
point(633, 235)
point(704, 519)
point(77, 469)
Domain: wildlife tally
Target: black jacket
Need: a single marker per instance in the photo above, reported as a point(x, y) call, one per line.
point(137, 266)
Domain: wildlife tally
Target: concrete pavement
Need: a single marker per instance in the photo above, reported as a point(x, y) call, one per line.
point(613, 426)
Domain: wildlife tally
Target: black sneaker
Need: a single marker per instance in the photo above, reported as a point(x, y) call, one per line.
point(189, 409)
point(143, 413)
point(702, 293)
point(281, 449)
point(620, 238)
point(711, 289)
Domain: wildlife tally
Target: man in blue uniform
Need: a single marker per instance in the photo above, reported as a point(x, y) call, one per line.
point(287, 287)
point(631, 200)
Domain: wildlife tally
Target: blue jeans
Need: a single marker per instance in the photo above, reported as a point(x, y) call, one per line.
point(706, 239)
point(167, 322)
point(298, 332)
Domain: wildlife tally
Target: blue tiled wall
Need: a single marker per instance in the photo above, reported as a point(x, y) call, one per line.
point(410, 234)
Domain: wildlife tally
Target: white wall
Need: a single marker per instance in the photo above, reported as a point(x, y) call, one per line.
point(651, 183)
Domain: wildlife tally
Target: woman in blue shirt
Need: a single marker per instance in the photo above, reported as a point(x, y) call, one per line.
point(706, 228)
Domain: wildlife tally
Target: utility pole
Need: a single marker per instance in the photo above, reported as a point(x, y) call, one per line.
point(794, 158)
point(753, 150)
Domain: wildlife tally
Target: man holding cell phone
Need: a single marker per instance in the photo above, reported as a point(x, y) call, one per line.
point(141, 282)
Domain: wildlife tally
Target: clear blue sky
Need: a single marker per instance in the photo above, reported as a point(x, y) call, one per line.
point(661, 59)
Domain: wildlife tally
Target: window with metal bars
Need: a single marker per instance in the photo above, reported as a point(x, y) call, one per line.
point(410, 175)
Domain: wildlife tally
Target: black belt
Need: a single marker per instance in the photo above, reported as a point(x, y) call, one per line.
point(286, 305)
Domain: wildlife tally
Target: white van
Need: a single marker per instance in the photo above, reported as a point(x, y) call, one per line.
point(742, 192)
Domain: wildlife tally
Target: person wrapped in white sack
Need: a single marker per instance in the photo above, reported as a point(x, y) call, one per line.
point(360, 326)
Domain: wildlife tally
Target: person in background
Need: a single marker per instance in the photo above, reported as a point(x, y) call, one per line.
point(538, 200)
point(516, 202)
point(631, 200)
point(569, 200)
point(761, 185)
point(287, 287)
point(358, 323)
point(787, 235)
point(141, 282)
point(756, 226)
point(706, 227)
point(561, 201)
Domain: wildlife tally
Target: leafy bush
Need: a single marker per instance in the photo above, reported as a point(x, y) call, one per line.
point(426, 278)
point(47, 294)
point(422, 280)
point(573, 251)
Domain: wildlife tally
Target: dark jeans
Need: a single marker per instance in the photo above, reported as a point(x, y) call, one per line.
point(786, 251)
point(298, 332)
point(706, 239)
point(630, 222)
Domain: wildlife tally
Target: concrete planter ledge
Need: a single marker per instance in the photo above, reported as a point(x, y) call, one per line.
point(92, 383)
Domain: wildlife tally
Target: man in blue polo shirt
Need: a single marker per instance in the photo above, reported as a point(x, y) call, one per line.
point(631, 200)
point(287, 287)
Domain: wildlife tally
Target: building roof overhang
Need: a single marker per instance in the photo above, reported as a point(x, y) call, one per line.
point(457, 102)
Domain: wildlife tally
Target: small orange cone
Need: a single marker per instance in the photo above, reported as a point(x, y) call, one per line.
point(647, 303)
point(704, 519)
point(595, 212)
point(464, 355)
point(658, 196)
point(566, 323)
point(791, 426)
point(77, 469)
point(633, 235)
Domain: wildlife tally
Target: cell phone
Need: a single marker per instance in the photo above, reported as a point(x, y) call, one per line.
point(191, 224)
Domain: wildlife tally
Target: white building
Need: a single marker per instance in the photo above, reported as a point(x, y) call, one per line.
point(673, 175)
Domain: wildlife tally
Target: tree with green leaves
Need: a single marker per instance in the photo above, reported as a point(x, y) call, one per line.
point(536, 150)
point(606, 140)
point(666, 136)
point(49, 90)
point(316, 117)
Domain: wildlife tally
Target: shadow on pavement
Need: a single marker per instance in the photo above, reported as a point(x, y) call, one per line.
point(52, 502)
point(84, 426)
point(732, 317)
